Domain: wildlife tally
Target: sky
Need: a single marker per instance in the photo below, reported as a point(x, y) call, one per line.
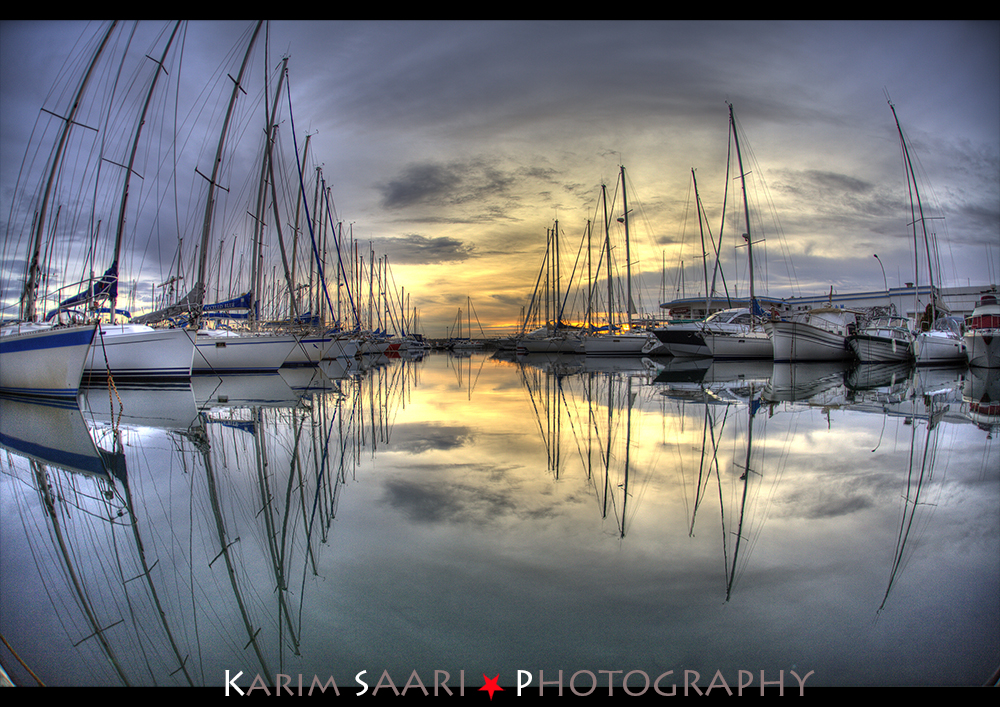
point(450, 149)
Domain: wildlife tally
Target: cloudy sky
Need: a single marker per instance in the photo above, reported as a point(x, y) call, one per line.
point(451, 147)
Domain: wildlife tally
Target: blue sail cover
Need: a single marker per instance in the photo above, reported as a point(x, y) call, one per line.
point(222, 310)
point(307, 318)
point(107, 286)
point(241, 302)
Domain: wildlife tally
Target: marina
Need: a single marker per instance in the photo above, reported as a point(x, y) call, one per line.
point(668, 444)
point(480, 513)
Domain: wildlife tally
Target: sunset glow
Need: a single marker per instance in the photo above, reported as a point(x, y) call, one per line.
point(450, 148)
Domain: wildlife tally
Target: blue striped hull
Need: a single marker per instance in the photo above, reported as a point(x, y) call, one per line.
point(44, 362)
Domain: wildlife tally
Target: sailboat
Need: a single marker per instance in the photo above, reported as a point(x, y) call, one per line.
point(43, 360)
point(556, 336)
point(464, 343)
point(223, 350)
point(753, 341)
point(944, 343)
point(123, 351)
point(621, 344)
point(687, 339)
point(888, 338)
point(941, 342)
point(627, 342)
point(683, 338)
point(318, 340)
point(136, 351)
point(38, 357)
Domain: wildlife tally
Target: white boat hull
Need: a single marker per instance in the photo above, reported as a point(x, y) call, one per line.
point(879, 349)
point(138, 352)
point(753, 344)
point(228, 352)
point(620, 345)
point(683, 341)
point(551, 344)
point(377, 347)
point(797, 341)
point(341, 348)
point(688, 339)
point(44, 361)
point(983, 347)
point(310, 350)
point(939, 348)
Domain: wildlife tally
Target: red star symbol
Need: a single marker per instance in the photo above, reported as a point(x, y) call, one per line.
point(491, 685)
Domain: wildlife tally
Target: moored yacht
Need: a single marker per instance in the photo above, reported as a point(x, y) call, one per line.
point(943, 344)
point(559, 339)
point(818, 334)
point(43, 360)
point(136, 352)
point(310, 349)
point(686, 339)
point(753, 343)
point(629, 343)
point(225, 351)
point(982, 333)
point(884, 339)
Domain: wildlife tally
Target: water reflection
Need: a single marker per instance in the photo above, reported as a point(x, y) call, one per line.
point(478, 514)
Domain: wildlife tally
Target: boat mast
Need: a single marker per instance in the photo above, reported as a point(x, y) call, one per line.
point(628, 261)
point(292, 293)
point(746, 206)
point(704, 253)
point(911, 177)
point(199, 291)
point(590, 284)
point(33, 272)
point(119, 237)
point(289, 272)
point(607, 252)
point(549, 323)
point(266, 172)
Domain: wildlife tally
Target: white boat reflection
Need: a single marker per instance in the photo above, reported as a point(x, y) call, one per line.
point(423, 493)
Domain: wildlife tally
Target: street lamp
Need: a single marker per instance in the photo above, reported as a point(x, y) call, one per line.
point(884, 281)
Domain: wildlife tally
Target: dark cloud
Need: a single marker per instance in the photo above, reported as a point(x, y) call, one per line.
point(415, 249)
point(476, 182)
point(417, 184)
point(434, 502)
point(420, 437)
point(832, 181)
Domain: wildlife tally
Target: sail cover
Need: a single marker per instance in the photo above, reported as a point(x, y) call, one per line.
point(107, 286)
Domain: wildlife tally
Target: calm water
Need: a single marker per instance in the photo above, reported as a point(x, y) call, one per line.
point(476, 516)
